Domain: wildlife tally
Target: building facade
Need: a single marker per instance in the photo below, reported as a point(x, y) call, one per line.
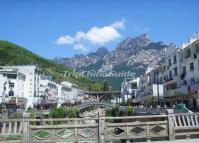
point(176, 77)
point(129, 88)
point(26, 82)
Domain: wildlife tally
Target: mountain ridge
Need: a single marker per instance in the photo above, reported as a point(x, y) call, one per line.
point(132, 54)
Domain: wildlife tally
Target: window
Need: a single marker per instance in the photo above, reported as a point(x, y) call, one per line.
point(197, 48)
point(175, 71)
point(12, 76)
point(191, 67)
point(161, 81)
point(185, 82)
point(134, 86)
point(11, 85)
point(192, 80)
point(170, 74)
point(164, 69)
point(169, 62)
point(11, 93)
point(198, 64)
point(184, 69)
point(174, 59)
point(188, 53)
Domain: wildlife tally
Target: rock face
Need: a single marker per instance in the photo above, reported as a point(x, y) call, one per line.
point(79, 61)
point(131, 54)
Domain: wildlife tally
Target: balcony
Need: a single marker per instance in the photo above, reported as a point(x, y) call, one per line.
point(170, 79)
point(194, 87)
point(182, 91)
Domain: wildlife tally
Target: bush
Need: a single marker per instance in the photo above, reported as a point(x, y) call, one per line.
point(32, 115)
point(130, 111)
point(73, 112)
point(116, 109)
point(151, 100)
point(58, 112)
point(108, 113)
point(64, 112)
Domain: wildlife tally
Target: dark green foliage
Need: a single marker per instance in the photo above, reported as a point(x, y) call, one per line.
point(64, 112)
point(116, 110)
point(151, 101)
point(11, 54)
point(72, 112)
point(130, 111)
point(59, 112)
point(106, 86)
point(108, 113)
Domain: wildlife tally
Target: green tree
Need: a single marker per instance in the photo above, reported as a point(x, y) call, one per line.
point(58, 112)
point(72, 112)
point(116, 109)
point(151, 100)
point(130, 111)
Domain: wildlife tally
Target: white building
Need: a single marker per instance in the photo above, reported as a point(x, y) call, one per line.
point(149, 84)
point(48, 90)
point(12, 84)
point(184, 81)
point(25, 82)
point(70, 91)
point(22, 81)
point(129, 88)
point(177, 76)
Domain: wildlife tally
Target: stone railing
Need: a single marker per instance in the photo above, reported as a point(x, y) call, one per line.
point(104, 129)
point(11, 126)
point(144, 128)
point(62, 130)
point(11, 129)
point(186, 125)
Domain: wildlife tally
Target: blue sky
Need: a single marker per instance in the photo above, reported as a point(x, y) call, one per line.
point(64, 28)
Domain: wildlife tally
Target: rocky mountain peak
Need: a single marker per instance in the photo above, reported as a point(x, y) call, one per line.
point(143, 39)
point(102, 51)
point(133, 43)
point(131, 54)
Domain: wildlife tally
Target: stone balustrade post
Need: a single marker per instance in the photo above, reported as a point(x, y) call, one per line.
point(20, 127)
point(26, 128)
point(171, 124)
point(9, 127)
point(4, 128)
point(15, 127)
point(101, 127)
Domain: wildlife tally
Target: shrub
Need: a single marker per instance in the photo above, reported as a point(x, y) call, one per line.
point(130, 111)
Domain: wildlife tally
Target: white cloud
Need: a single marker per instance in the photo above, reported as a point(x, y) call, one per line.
point(65, 40)
point(119, 24)
point(102, 35)
point(95, 35)
point(81, 47)
point(80, 35)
